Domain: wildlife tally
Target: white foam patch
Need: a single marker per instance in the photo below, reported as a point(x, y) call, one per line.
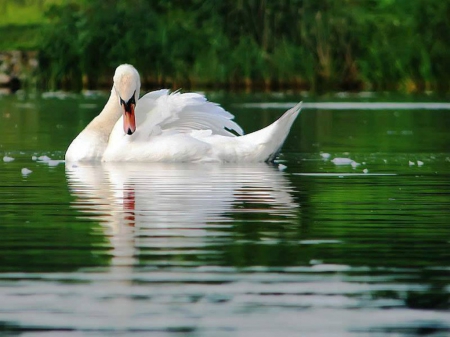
point(342, 161)
point(25, 171)
point(49, 161)
point(282, 167)
point(55, 162)
point(44, 158)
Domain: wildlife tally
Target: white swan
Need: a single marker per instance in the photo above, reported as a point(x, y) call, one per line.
point(171, 127)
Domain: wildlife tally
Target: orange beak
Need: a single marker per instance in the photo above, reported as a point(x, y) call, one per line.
point(129, 120)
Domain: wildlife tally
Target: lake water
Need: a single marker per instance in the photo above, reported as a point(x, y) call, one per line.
point(348, 234)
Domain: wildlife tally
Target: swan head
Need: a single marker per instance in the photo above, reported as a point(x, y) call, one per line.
point(127, 85)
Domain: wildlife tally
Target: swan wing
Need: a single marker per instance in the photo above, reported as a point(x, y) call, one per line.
point(160, 111)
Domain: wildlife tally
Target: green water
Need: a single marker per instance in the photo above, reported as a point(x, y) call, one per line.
point(301, 247)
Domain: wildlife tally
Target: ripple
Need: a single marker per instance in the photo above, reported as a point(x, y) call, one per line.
point(353, 105)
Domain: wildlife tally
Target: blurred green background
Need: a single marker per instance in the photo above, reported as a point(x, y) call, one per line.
point(303, 44)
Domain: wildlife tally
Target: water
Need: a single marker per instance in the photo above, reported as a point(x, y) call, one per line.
point(312, 245)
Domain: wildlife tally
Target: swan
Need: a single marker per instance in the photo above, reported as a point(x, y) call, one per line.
point(165, 126)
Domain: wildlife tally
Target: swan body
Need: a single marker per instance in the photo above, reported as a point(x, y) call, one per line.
point(172, 127)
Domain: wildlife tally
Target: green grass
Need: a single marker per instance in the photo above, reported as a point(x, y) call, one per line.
point(23, 12)
point(21, 23)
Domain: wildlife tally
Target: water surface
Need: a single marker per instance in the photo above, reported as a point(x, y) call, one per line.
point(346, 235)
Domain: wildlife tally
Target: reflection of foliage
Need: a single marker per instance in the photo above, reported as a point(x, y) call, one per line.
point(45, 237)
point(435, 298)
point(319, 44)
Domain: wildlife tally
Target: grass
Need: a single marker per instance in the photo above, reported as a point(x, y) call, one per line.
point(21, 23)
point(25, 12)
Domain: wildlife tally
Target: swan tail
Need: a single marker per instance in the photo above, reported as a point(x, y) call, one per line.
point(269, 140)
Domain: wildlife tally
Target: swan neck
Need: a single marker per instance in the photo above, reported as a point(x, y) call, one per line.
point(105, 121)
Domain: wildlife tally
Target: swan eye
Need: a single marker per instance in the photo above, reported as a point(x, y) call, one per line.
point(132, 99)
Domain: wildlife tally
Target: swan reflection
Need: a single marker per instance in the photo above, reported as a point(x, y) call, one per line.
point(176, 205)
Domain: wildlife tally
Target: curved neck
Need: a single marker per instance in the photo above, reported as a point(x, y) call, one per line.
point(91, 143)
point(105, 121)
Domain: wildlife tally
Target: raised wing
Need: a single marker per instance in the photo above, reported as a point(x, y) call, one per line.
point(160, 110)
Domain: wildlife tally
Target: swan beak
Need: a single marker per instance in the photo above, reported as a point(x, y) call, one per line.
point(129, 120)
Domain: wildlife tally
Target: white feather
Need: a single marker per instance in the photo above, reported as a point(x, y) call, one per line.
point(184, 113)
